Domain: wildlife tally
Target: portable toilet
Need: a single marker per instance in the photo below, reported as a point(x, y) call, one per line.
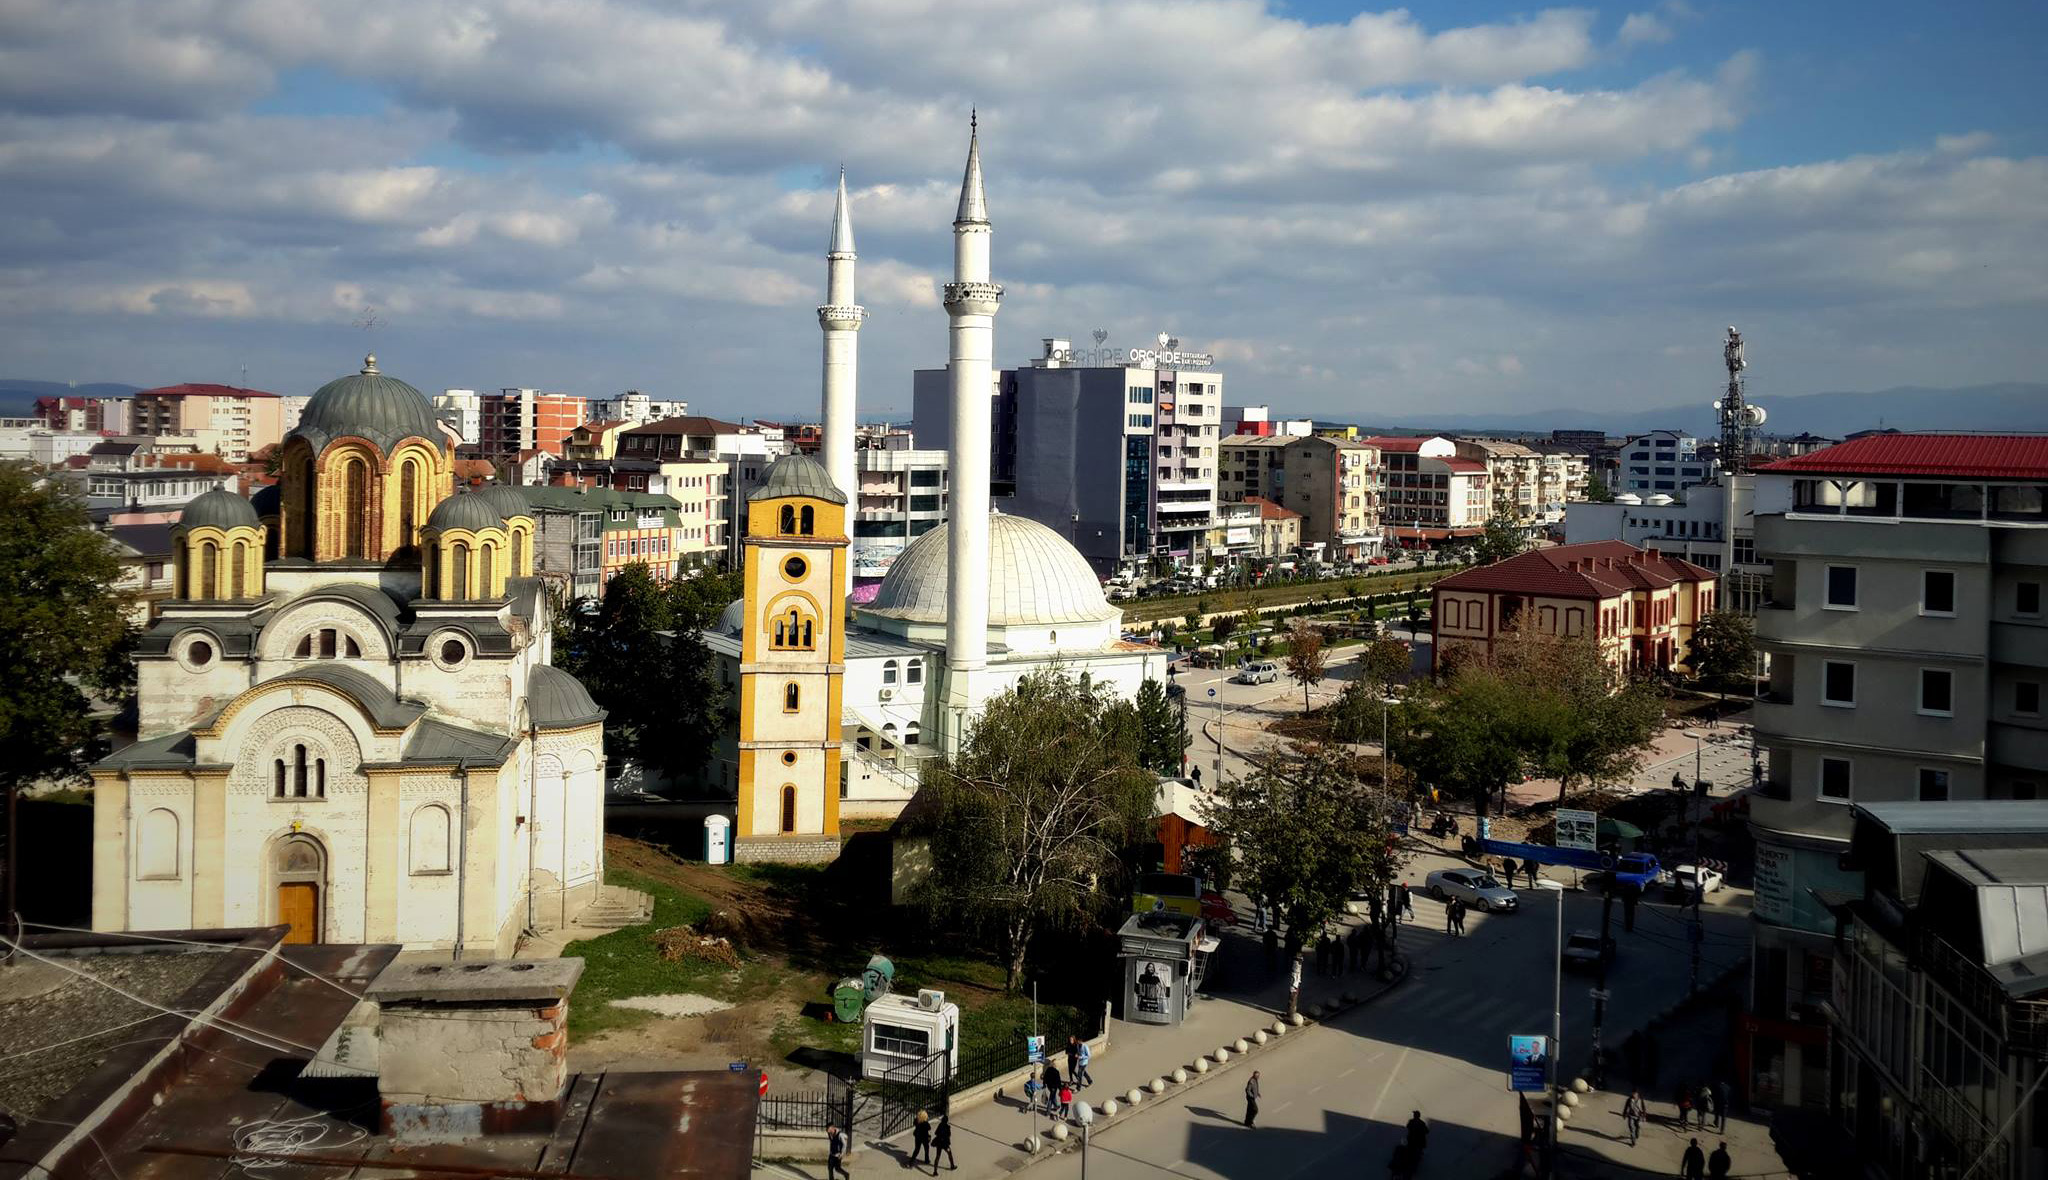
point(913, 1039)
point(717, 840)
point(849, 997)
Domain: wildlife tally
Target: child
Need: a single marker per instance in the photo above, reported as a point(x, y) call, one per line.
point(1031, 1092)
point(1066, 1099)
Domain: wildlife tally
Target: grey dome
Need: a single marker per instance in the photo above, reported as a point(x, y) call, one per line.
point(267, 499)
point(557, 700)
point(367, 405)
point(797, 474)
point(221, 509)
point(1034, 578)
point(733, 617)
point(466, 511)
point(509, 501)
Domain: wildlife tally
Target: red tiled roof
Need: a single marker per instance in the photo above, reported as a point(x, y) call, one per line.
point(607, 424)
point(1271, 511)
point(1594, 569)
point(1463, 464)
point(688, 424)
point(200, 389)
point(1391, 442)
point(1962, 456)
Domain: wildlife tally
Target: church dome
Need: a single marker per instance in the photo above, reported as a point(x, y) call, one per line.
point(797, 474)
point(467, 511)
point(220, 509)
point(733, 617)
point(1035, 578)
point(509, 501)
point(368, 405)
point(557, 700)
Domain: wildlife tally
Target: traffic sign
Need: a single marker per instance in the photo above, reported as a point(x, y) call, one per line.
point(1599, 993)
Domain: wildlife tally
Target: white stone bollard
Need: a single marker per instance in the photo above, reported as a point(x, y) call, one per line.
point(1031, 1145)
point(1570, 1099)
point(1297, 1020)
point(1262, 1036)
point(1179, 1076)
point(1157, 1085)
point(1238, 1045)
point(1108, 1108)
point(1564, 1114)
point(1059, 1132)
point(1223, 1055)
point(1315, 1011)
point(1135, 1097)
point(1199, 1065)
point(1580, 1086)
point(1279, 1028)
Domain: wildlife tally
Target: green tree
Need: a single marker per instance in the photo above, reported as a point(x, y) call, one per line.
point(1597, 490)
point(644, 660)
point(1224, 627)
point(1303, 832)
point(1163, 737)
point(1305, 662)
point(1029, 818)
point(1384, 663)
point(1194, 617)
point(1723, 648)
point(65, 638)
point(1462, 734)
point(1502, 539)
point(696, 602)
point(1589, 724)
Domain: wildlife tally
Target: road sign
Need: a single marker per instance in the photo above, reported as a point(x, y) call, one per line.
point(1599, 993)
point(1577, 829)
point(764, 1083)
point(737, 1066)
point(1212, 692)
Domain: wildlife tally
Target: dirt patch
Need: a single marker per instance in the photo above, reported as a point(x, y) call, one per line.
point(680, 1005)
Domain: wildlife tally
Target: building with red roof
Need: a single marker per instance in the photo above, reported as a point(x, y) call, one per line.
point(1640, 605)
point(1429, 494)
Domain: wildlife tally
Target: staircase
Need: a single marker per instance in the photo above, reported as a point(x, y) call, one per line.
point(616, 908)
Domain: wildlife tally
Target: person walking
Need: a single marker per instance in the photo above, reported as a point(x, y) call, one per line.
point(1632, 1115)
point(1684, 1105)
point(1718, 1163)
point(1720, 1106)
point(1073, 1058)
point(1050, 1076)
point(942, 1144)
point(1418, 1136)
point(1066, 1100)
point(835, 1154)
point(1078, 1072)
point(1694, 1165)
point(1451, 916)
point(1407, 902)
point(1458, 916)
point(1251, 1100)
point(921, 1139)
point(1704, 1101)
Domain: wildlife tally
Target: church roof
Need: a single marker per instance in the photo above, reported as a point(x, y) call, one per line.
point(367, 405)
point(733, 617)
point(386, 710)
point(158, 753)
point(1035, 578)
point(221, 509)
point(508, 500)
point(557, 700)
point(797, 474)
point(437, 742)
point(466, 510)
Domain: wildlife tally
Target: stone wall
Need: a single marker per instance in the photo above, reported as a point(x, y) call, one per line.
point(787, 850)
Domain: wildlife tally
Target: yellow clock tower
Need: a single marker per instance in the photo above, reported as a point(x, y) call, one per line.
point(793, 655)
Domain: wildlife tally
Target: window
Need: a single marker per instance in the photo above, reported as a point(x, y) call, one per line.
point(199, 654)
point(1937, 592)
point(901, 1042)
point(888, 671)
point(1841, 587)
point(791, 631)
point(329, 643)
point(1937, 692)
point(1933, 785)
point(913, 671)
point(792, 697)
point(795, 568)
point(1838, 684)
point(2026, 598)
point(428, 840)
point(156, 846)
point(452, 651)
point(786, 520)
point(788, 809)
point(2026, 698)
point(1834, 778)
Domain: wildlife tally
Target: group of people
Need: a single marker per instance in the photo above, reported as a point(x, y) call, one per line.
point(928, 1141)
point(1708, 1100)
point(1454, 918)
point(1362, 948)
point(1053, 1093)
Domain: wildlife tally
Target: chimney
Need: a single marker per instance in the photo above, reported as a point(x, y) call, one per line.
point(1651, 554)
point(466, 1049)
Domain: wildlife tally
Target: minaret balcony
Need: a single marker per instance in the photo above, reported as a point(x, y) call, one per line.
point(973, 298)
point(848, 315)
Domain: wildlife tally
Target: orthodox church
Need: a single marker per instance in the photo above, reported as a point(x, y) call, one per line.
point(348, 723)
point(836, 714)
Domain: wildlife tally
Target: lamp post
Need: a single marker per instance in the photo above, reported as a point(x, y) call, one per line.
point(1699, 890)
point(1219, 735)
point(1556, 1021)
point(1085, 1115)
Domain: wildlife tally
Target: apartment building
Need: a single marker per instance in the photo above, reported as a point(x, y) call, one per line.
point(636, 408)
point(511, 423)
point(243, 420)
point(595, 440)
point(1640, 605)
point(1514, 475)
point(1692, 524)
point(1429, 495)
point(84, 414)
point(1660, 461)
point(588, 536)
point(902, 495)
point(1259, 420)
point(463, 412)
point(1333, 484)
point(1908, 649)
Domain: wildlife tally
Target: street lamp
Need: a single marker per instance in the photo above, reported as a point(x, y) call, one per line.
point(1219, 736)
point(1556, 1019)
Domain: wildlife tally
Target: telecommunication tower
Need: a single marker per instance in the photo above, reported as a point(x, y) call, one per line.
point(1737, 417)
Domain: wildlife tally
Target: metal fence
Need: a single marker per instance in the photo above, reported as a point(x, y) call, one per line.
point(807, 1110)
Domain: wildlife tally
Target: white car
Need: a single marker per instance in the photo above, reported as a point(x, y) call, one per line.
point(1686, 878)
point(1473, 887)
point(1262, 672)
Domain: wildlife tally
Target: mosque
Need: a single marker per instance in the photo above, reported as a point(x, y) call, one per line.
point(836, 712)
point(348, 724)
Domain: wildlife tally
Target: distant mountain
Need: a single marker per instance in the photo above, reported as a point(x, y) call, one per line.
point(18, 395)
point(2010, 405)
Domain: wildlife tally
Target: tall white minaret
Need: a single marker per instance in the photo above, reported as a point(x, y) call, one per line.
point(971, 302)
point(840, 320)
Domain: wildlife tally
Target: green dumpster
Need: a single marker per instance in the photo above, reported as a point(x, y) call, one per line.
point(849, 996)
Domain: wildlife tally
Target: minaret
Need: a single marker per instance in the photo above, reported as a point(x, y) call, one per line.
point(840, 320)
point(971, 302)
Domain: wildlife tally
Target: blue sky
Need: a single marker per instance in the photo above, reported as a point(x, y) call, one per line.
point(1364, 212)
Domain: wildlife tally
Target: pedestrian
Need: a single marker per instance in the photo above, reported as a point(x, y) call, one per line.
point(1079, 1071)
point(1632, 1114)
point(1704, 1102)
point(1051, 1078)
point(1198, 778)
point(1684, 1107)
point(1458, 912)
point(1694, 1165)
point(1031, 1088)
point(1251, 1100)
point(1720, 1106)
point(942, 1144)
point(1407, 902)
point(921, 1138)
point(1418, 1136)
point(1066, 1100)
point(835, 1154)
point(1507, 870)
point(1073, 1057)
point(1718, 1164)
point(1451, 916)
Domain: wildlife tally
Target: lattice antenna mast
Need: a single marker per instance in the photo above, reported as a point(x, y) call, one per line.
point(1737, 417)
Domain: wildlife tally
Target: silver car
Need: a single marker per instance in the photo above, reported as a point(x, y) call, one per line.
point(1473, 887)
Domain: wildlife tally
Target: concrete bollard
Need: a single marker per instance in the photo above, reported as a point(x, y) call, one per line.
point(1059, 1132)
point(1297, 1020)
point(1031, 1145)
point(1279, 1028)
point(1179, 1076)
point(1564, 1114)
point(1570, 1099)
point(1580, 1086)
point(1156, 1085)
point(1315, 1011)
point(1238, 1045)
point(1108, 1108)
point(1261, 1036)
point(1199, 1065)
point(1135, 1097)
point(1223, 1055)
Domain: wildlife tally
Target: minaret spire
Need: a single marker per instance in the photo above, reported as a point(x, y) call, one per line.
point(840, 319)
point(973, 201)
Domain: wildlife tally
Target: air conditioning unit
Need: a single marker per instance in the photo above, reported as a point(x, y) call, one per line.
point(929, 1000)
point(888, 694)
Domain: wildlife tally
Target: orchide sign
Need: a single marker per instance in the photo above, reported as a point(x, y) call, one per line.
point(1136, 358)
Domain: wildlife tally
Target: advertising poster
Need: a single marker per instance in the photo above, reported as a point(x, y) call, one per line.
point(1528, 1061)
point(1577, 829)
point(1773, 883)
point(1155, 987)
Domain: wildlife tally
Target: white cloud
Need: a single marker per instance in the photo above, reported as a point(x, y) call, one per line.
point(1644, 28)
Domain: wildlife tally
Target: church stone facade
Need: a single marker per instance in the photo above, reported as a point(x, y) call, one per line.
point(348, 724)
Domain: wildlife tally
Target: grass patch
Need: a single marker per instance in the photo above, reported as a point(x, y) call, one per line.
point(625, 963)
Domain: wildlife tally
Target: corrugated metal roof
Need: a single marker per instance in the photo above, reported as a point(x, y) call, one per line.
point(1958, 815)
point(1961, 456)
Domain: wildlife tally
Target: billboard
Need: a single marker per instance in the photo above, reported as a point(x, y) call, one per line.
point(1577, 829)
point(1528, 1061)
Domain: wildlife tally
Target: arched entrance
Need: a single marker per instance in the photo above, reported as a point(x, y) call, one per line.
point(298, 871)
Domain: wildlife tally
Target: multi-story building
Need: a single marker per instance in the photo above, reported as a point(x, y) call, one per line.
point(588, 536)
point(462, 410)
point(902, 496)
point(1585, 442)
point(1932, 993)
point(245, 420)
point(89, 414)
point(1640, 605)
point(1514, 474)
point(125, 478)
point(1692, 524)
point(147, 568)
point(1334, 485)
point(1428, 494)
point(1120, 459)
point(595, 440)
point(1660, 461)
point(1279, 528)
point(1259, 420)
point(636, 408)
point(512, 422)
point(1908, 649)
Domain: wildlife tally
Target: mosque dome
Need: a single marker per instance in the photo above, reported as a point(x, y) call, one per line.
point(797, 474)
point(509, 501)
point(220, 509)
point(1035, 578)
point(367, 405)
point(467, 511)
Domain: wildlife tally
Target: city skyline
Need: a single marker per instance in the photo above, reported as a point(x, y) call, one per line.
point(1358, 214)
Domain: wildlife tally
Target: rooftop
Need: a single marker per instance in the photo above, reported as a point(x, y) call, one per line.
point(1958, 815)
point(201, 389)
point(1594, 569)
point(1956, 456)
point(1271, 511)
point(688, 424)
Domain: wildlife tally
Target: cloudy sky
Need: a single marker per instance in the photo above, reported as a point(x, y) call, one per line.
point(1367, 214)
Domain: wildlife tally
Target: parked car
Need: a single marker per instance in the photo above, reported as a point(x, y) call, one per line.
point(1217, 910)
point(1474, 888)
point(1258, 672)
point(1684, 879)
point(1586, 950)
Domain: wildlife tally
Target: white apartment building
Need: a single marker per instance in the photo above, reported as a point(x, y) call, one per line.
point(636, 407)
point(902, 496)
point(1660, 461)
point(462, 410)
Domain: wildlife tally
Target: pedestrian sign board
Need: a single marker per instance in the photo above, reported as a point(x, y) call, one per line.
point(1578, 829)
point(1528, 1059)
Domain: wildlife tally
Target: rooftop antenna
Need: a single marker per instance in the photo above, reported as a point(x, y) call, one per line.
point(369, 321)
point(1737, 417)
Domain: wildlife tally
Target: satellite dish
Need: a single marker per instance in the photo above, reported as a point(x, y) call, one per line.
point(1756, 415)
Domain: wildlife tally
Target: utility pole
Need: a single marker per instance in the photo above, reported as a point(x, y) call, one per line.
point(1600, 985)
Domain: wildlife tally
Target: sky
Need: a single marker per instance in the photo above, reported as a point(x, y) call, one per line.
point(1364, 214)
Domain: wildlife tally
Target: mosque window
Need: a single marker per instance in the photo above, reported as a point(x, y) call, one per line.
point(807, 520)
point(888, 671)
point(792, 697)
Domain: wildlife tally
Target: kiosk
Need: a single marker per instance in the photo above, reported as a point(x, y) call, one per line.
point(1162, 965)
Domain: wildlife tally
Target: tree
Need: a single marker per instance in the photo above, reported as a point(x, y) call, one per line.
point(1224, 627)
point(1305, 663)
point(1193, 618)
point(1029, 818)
point(1462, 734)
point(641, 654)
point(1597, 490)
point(1723, 648)
point(1303, 833)
point(1163, 737)
point(65, 637)
point(1502, 539)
